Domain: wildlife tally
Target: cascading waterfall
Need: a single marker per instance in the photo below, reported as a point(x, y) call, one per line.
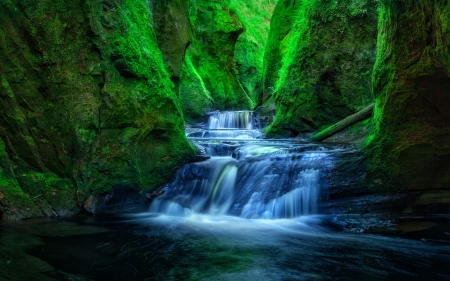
point(231, 120)
point(249, 179)
point(228, 125)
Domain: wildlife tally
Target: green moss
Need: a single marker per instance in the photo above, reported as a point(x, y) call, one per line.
point(16, 204)
point(194, 96)
point(409, 139)
point(95, 102)
point(327, 57)
point(216, 29)
point(281, 23)
point(255, 17)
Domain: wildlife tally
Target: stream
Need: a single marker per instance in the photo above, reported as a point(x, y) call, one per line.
point(249, 212)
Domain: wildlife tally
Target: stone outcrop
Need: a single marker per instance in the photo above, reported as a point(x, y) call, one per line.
point(281, 23)
point(249, 54)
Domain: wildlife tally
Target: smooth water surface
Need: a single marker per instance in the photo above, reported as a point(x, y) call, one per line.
point(202, 247)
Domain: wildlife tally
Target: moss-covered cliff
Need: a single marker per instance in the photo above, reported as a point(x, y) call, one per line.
point(409, 147)
point(284, 16)
point(213, 51)
point(86, 105)
point(174, 33)
point(255, 17)
point(216, 29)
point(327, 60)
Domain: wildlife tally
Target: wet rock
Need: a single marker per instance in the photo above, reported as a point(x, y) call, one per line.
point(123, 199)
point(349, 193)
point(201, 154)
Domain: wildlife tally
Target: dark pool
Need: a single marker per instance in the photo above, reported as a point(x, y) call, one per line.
point(150, 247)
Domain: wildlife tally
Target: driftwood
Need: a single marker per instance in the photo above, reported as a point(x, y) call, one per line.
point(359, 116)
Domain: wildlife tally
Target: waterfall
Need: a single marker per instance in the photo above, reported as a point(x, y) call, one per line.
point(246, 177)
point(205, 187)
point(257, 181)
point(231, 120)
point(228, 125)
point(302, 200)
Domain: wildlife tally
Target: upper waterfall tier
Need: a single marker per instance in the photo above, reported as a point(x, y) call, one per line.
point(232, 120)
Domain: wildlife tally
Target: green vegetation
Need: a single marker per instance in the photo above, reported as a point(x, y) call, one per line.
point(408, 147)
point(211, 53)
point(225, 56)
point(284, 16)
point(249, 54)
point(97, 108)
point(195, 98)
point(327, 58)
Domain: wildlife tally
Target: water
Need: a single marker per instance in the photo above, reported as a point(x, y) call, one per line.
point(204, 247)
point(248, 177)
point(258, 180)
point(248, 213)
point(237, 125)
point(232, 120)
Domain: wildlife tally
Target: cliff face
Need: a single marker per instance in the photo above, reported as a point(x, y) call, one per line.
point(255, 16)
point(327, 60)
point(86, 105)
point(213, 51)
point(216, 29)
point(173, 31)
point(409, 147)
point(283, 18)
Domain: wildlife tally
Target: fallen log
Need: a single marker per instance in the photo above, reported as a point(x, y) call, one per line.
point(359, 116)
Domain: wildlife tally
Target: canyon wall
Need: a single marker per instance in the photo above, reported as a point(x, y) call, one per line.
point(87, 105)
point(409, 148)
point(318, 62)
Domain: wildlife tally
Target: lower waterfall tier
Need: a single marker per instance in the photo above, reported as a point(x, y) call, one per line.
point(255, 180)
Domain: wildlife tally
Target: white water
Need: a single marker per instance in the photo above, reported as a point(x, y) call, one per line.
point(229, 125)
point(232, 120)
point(264, 180)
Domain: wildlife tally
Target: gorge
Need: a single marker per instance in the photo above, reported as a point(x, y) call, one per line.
point(170, 140)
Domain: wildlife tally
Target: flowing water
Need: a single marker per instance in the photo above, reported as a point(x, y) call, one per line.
point(250, 212)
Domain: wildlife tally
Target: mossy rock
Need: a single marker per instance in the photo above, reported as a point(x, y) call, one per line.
point(409, 146)
point(327, 60)
point(86, 102)
point(216, 29)
point(249, 53)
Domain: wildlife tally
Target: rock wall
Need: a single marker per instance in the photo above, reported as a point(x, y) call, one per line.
point(86, 105)
point(174, 33)
point(327, 60)
point(195, 97)
point(409, 148)
point(213, 51)
point(283, 18)
point(255, 16)
point(216, 29)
